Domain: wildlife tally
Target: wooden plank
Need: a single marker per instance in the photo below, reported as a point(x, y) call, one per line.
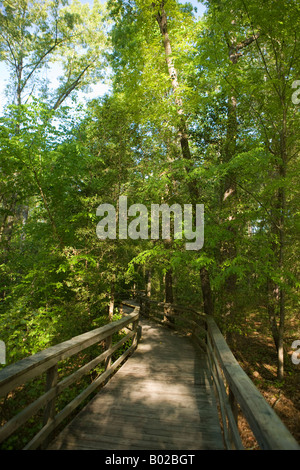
point(156, 436)
point(147, 425)
point(52, 425)
point(134, 441)
point(149, 415)
point(171, 408)
point(21, 418)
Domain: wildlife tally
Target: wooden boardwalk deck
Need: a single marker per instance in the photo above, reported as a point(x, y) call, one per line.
point(160, 399)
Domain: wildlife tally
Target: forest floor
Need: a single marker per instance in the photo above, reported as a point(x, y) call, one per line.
point(255, 351)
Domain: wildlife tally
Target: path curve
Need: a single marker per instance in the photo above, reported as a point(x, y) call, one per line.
point(160, 399)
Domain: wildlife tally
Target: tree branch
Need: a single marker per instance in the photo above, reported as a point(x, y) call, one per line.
point(36, 65)
point(71, 87)
point(247, 41)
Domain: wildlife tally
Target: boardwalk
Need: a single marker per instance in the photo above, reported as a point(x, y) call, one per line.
point(160, 399)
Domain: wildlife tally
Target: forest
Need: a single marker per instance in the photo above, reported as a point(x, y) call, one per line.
point(197, 109)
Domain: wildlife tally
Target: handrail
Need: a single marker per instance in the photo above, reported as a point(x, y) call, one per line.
point(47, 360)
point(269, 430)
point(232, 385)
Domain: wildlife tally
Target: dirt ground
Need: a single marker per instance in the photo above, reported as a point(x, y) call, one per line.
point(256, 354)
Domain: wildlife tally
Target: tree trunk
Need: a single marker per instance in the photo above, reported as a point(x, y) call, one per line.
point(161, 18)
point(208, 305)
point(168, 310)
point(276, 292)
point(282, 206)
point(228, 202)
point(228, 196)
point(169, 287)
point(111, 300)
point(148, 283)
point(272, 301)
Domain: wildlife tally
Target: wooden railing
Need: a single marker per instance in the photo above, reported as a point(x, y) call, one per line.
point(47, 361)
point(233, 388)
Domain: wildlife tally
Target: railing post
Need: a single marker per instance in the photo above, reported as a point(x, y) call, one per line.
point(51, 381)
point(234, 409)
point(147, 307)
point(233, 405)
point(46, 362)
point(121, 309)
point(108, 344)
point(137, 329)
point(49, 412)
point(141, 305)
point(144, 306)
point(168, 311)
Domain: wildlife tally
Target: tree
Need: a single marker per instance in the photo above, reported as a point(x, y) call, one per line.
point(34, 35)
point(278, 52)
point(260, 97)
point(173, 94)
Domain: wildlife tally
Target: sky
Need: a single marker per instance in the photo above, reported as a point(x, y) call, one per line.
point(95, 90)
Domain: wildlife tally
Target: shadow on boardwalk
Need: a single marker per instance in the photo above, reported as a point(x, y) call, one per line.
point(160, 399)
